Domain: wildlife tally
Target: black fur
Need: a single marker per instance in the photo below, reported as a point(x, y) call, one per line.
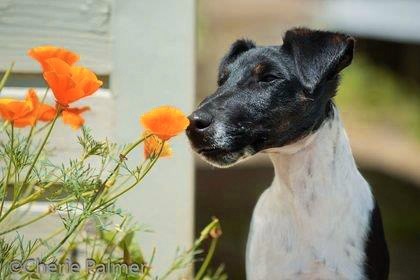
point(240, 46)
point(318, 55)
point(377, 256)
point(270, 96)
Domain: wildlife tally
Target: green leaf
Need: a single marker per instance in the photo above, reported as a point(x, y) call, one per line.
point(132, 252)
point(107, 236)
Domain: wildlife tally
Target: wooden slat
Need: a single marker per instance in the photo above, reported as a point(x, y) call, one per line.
point(80, 25)
point(387, 20)
point(154, 64)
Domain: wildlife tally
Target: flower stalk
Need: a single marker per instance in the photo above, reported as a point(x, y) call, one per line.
point(6, 76)
point(40, 149)
point(9, 168)
point(97, 194)
point(207, 260)
point(31, 131)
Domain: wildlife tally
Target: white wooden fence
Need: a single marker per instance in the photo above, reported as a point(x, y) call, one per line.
point(147, 48)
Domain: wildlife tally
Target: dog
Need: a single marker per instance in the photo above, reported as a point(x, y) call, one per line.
point(318, 219)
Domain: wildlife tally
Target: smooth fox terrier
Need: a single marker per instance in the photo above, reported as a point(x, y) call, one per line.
point(318, 219)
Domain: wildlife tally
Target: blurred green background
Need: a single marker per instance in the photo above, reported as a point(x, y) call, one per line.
point(379, 100)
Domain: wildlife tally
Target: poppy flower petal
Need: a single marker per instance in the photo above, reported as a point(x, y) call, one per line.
point(78, 110)
point(86, 79)
point(17, 111)
point(42, 53)
point(28, 120)
point(72, 116)
point(59, 66)
point(89, 87)
point(74, 94)
point(74, 120)
point(153, 144)
point(61, 85)
point(5, 113)
point(6, 100)
point(32, 98)
point(70, 83)
point(46, 113)
point(165, 122)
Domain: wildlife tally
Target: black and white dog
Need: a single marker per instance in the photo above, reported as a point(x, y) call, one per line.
point(318, 220)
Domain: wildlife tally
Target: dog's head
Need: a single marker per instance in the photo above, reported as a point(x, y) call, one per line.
point(271, 96)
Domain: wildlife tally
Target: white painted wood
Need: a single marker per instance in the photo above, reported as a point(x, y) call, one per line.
point(80, 25)
point(154, 64)
point(392, 20)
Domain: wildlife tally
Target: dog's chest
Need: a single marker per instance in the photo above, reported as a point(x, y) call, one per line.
point(313, 221)
point(317, 235)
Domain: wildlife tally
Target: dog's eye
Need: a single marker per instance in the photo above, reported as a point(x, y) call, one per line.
point(268, 78)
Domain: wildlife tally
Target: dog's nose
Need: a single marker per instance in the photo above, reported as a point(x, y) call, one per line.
point(200, 120)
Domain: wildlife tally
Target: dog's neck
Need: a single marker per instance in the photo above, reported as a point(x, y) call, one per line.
point(317, 207)
point(320, 162)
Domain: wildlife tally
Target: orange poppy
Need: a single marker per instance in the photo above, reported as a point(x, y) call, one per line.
point(153, 144)
point(43, 53)
point(70, 83)
point(25, 112)
point(16, 111)
point(42, 112)
point(165, 122)
point(72, 116)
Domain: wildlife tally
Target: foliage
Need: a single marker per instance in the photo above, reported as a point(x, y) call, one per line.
point(86, 206)
point(81, 192)
point(396, 101)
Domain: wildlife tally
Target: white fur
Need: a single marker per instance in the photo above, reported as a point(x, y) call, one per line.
point(313, 220)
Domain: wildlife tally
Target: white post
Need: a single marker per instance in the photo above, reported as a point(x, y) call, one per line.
point(154, 64)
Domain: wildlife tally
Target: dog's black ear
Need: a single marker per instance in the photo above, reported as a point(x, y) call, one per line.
point(238, 47)
point(318, 55)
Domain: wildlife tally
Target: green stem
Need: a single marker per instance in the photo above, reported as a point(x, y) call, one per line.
point(45, 94)
point(108, 246)
point(93, 199)
point(149, 265)
point(9, 168)
point(207, 260)
point(6, 76)
point(136, 182)
point(52, 235)
point(68, 249)
point(122, 158)
point(123, 155)
point(44, 214)
point(203, 235)
point(41, 148)
point(31, 132)
point(26, 223)
point(61, 243)
point(34, 196)
point(5, 124)
point(42, 128)
point(112, 240)
point(28, 174)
